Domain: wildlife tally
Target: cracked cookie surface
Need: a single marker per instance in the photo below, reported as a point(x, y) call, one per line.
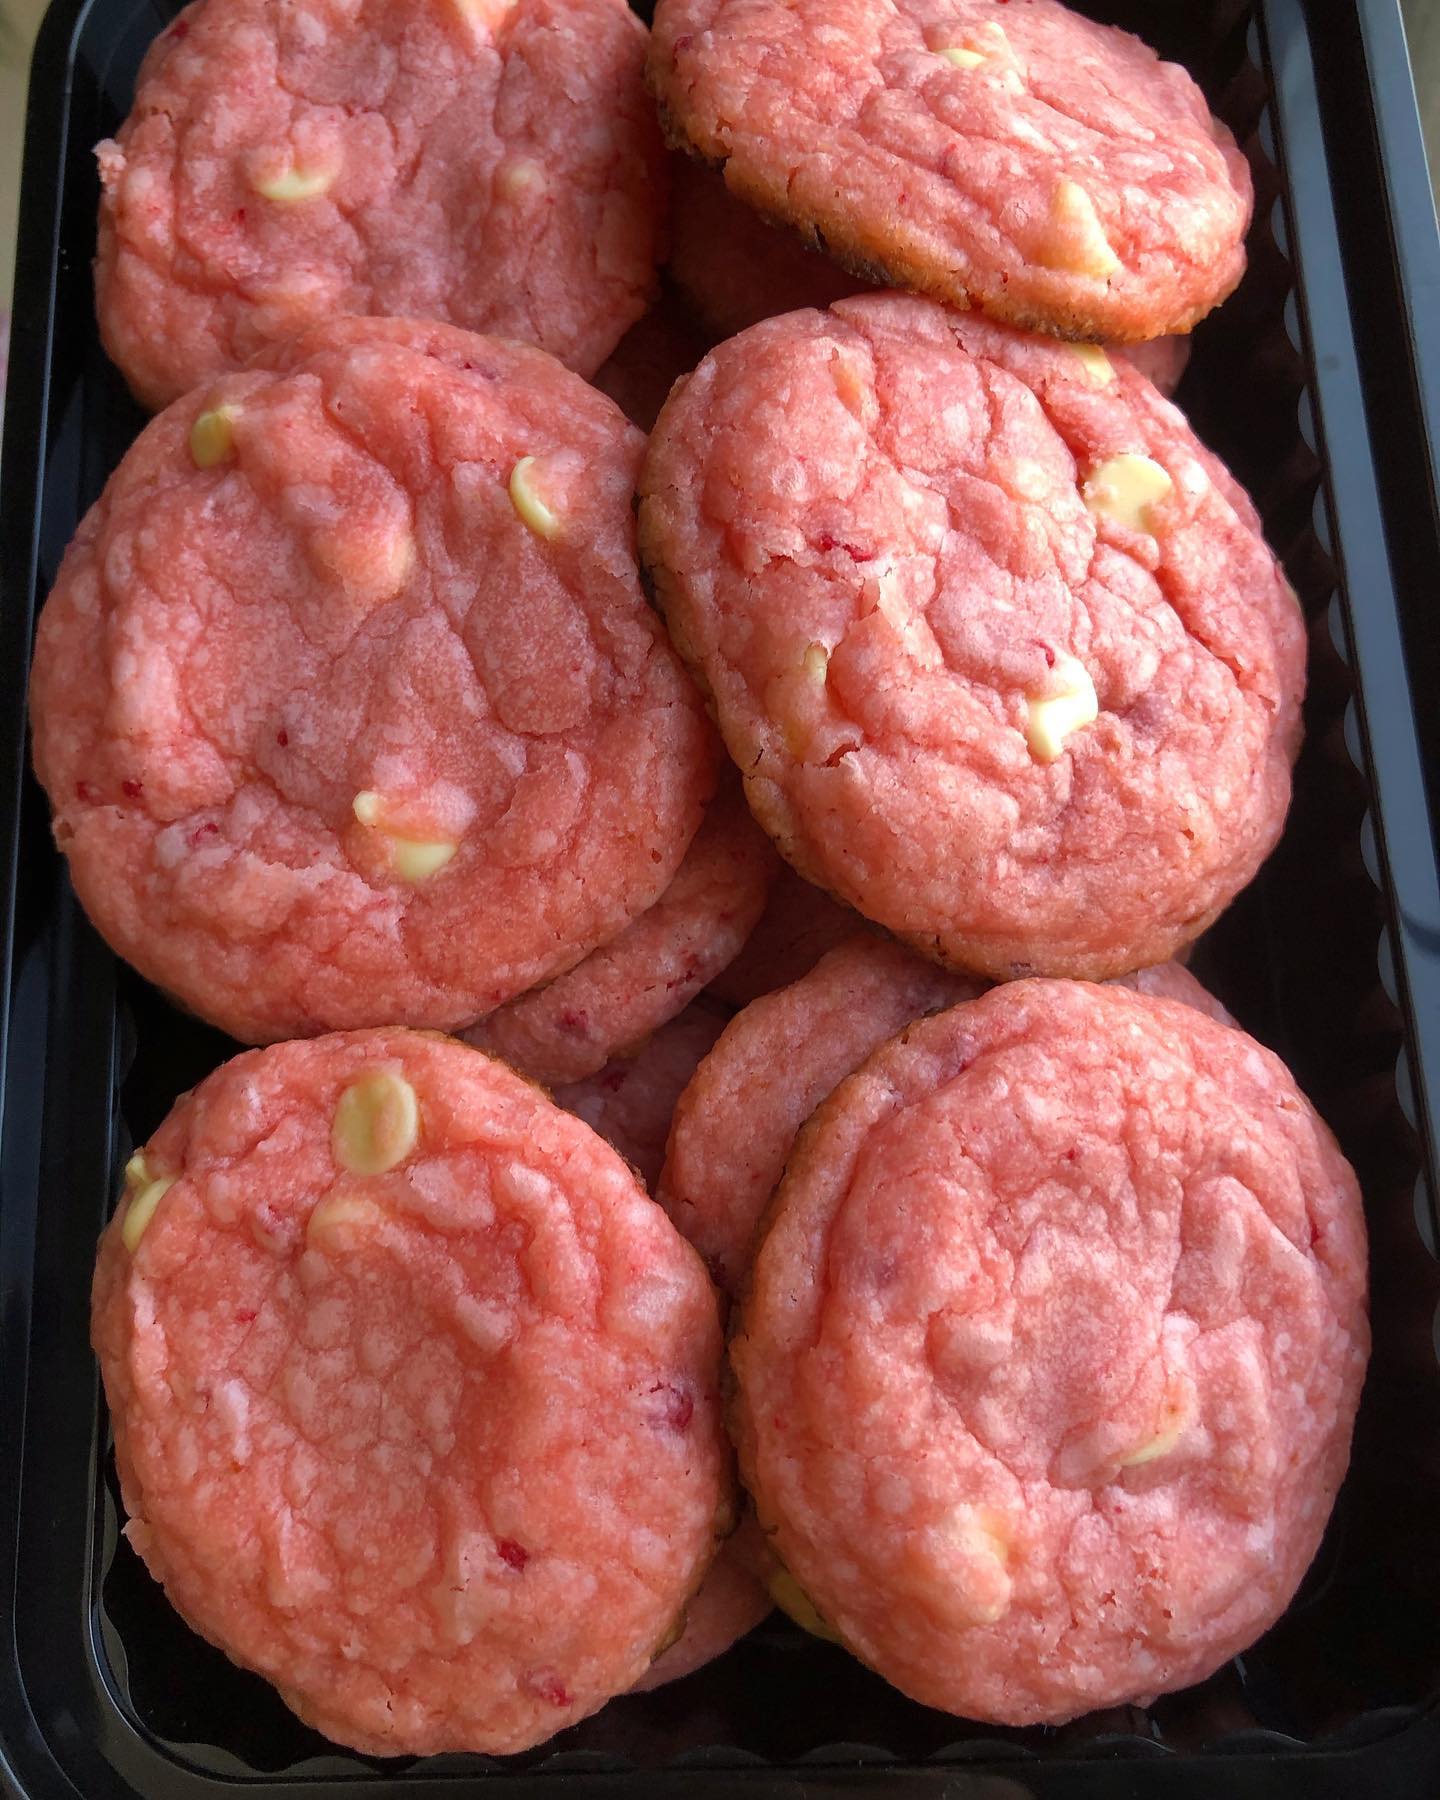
point(347, 700)
point(490, 164)
point(1013, 157)
point(415, 1392)
point(994, 640)
point(1051, 1353)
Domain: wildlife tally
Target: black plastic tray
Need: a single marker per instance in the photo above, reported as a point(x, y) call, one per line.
point(1320, 383)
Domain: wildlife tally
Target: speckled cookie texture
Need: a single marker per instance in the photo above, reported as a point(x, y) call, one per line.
point(631, 1101)
point(415, 1393)
point(312, 763)
point(492, 165)
point(1015, 675)
point(736, 1121)
point(1050, 1358)
point(611, 1002)
point(1001, 154)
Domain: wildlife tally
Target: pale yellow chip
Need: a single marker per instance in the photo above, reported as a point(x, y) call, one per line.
point(1127, 488)
point(366, 806)
point(519, 177)
point(1167, 1436)
point(415, 859)
point(294, 184)
point(338, 1217)
point(525, 498)
point(816, 662)
point(963, 58)
point(137, 1170)
point(796, 1604)
point(141, 1210)
point(1069, 705)
point(1096, 363)
point(983, 1532)
point(1077, 240)
point(212, 436)
point(376, 1124)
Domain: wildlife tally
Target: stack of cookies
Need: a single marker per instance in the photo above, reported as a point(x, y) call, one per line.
point(732, 877)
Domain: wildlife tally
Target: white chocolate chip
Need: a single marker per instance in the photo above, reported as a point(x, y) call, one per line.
point(963, 58)
point(1167, 1436)
point(1126, 488)
point(982, 1534)
point(137, 1170)
point(417, 860)
point(526, 500)
point(484, 15)
point(519, 177)
point(413, 859)
point(1077, 240)
point(816, 662)
point(792, 1600)
point(141, 1210)
point(212, 438)
point(1096, 363)
point(1070, 704)
point(377, 1122)
point(339, 1216)
point(293, 184)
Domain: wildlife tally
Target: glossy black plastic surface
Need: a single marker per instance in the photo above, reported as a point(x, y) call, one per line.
point(1320, 383)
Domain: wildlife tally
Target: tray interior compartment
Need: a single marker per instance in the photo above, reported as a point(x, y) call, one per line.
point(1295, 958)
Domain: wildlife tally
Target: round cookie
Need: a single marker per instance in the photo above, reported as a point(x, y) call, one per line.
point(1017, 676)
point(629, 987)
point(650, 359)
point(735, 1123)
point(415, 1393)
point(311, 763)
point(733, 1599)
point(1021, 160)
point(1051, 1354)
point(495, 166)
point(632, 1100)
point(799, 924)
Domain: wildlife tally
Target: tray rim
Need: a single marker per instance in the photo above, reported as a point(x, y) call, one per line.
point(1400, 1762)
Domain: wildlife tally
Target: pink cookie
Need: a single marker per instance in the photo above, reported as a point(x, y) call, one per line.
point(732, 265)
point(612, 1001)
point(312, 764)
point(1051, 1355)
point(735, 1123)
point(1012, 157)
point(632, 1100)
point(733, 1599)
point(415, 1394)
point(650, 359)
point(735, 268)
point(1162, 360)
point(1016, 676)
point(799, 924)
point(1168, 981)
point(495, 166)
